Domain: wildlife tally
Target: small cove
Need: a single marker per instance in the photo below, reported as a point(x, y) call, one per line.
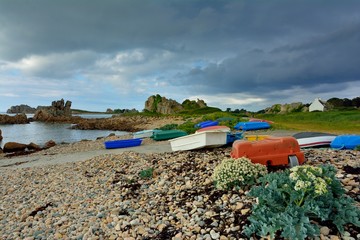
point(39, 132)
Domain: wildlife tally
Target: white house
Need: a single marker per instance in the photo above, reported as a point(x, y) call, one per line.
point(317, 105)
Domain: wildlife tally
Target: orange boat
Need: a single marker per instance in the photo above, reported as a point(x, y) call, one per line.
point(273, 151)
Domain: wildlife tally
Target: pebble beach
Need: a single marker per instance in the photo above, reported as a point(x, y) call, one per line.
point(106, 197)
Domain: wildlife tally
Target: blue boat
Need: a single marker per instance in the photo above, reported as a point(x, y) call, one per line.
point(232, 137)
point(123, 143)
point(246, 126)
point(346, 142)
point(207, 123)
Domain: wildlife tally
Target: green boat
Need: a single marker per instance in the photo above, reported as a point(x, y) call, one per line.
point(168, 134)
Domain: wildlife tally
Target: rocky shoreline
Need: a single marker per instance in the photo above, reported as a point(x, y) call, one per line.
point(106, 198)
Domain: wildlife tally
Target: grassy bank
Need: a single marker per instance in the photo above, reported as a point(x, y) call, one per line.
point(336, 121)
point(339, 122)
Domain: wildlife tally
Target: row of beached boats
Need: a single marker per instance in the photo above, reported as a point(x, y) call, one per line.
point(211, 135)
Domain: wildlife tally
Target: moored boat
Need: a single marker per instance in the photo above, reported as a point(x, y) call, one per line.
point(206, 139)
point(260, 120)
point(168, 134)
point(314, 139)
point(207, 123)
point(214, 128)
point(247, 126)
point(255, 137)
point(273, 151)
point(232, 137)
point(346, 142)
point(144, 133)
point(123, 143)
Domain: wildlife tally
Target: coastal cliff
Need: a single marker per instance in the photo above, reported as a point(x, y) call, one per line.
point(159, 104)
point(17, 119)
point(59, 111)
point(21, 109)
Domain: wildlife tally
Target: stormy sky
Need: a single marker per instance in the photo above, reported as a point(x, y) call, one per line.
point(232, 54)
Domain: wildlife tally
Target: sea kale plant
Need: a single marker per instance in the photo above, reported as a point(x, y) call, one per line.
point(237, 173)
point(293, 202)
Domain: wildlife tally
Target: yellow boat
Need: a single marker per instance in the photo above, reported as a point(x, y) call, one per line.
point(255, 137)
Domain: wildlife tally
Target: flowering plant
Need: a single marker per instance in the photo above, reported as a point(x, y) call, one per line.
point(293, 201)
point(237, 172)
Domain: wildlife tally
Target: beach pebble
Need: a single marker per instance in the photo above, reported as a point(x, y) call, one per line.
point(105, 198)
point(324, 231)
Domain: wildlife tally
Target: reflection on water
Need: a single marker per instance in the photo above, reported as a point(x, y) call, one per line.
point(40, 133)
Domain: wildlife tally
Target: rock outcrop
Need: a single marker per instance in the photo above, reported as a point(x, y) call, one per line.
point(127, 123)
point(113, 123)
point(1, 137)
point(287, 108)
point(14, 147)
point(21, 109)
point(17, 119)
point(163, 105)
point(59, 111)
point(11, 147)
point(49, 144)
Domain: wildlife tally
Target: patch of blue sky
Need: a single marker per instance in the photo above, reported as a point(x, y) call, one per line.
point(12, 73)
point(199, 64)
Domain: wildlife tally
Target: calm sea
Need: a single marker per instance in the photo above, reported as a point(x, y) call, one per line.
point(39, 132)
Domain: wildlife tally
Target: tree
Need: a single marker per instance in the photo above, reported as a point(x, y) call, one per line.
point(335, 102)
point(356, 102)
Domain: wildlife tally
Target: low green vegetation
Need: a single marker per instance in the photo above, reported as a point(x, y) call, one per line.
point(79, 111)
point(293, 203)
point(200, 111)
point(340, 122)
point(146, 173)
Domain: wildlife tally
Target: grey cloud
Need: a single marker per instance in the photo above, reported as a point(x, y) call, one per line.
point(199, 47)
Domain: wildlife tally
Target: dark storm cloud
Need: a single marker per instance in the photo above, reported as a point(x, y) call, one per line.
point(196, 47)
point(327, 58)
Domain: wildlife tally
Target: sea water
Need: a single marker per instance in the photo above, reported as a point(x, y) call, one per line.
point(40, 132)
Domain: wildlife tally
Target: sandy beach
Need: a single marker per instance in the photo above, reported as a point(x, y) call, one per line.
point(83, 191)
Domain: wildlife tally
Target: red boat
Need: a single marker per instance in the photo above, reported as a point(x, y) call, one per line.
point(214, 128)
point(273, 151)
point(260, 120)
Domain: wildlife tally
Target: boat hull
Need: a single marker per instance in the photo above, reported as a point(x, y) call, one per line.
point(207, 139)
point(168, 134)
point(346, 142)
point(144, 133)
point(272, 151)
point(122, 143)
point(314, 139)
point(255, 137)
point(207, 123)
point(214, 128)
point(247, 126)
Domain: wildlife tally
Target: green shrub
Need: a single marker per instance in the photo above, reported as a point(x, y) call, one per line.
point(237, 173)
point(293, 201)
point(146, 173)
point(169, 127)
point(188, 127)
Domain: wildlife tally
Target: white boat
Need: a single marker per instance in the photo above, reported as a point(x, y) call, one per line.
point(314, 139)
point(145, 133)
point(206, 139)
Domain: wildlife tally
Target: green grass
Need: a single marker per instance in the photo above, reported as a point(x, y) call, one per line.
point(340, 122)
